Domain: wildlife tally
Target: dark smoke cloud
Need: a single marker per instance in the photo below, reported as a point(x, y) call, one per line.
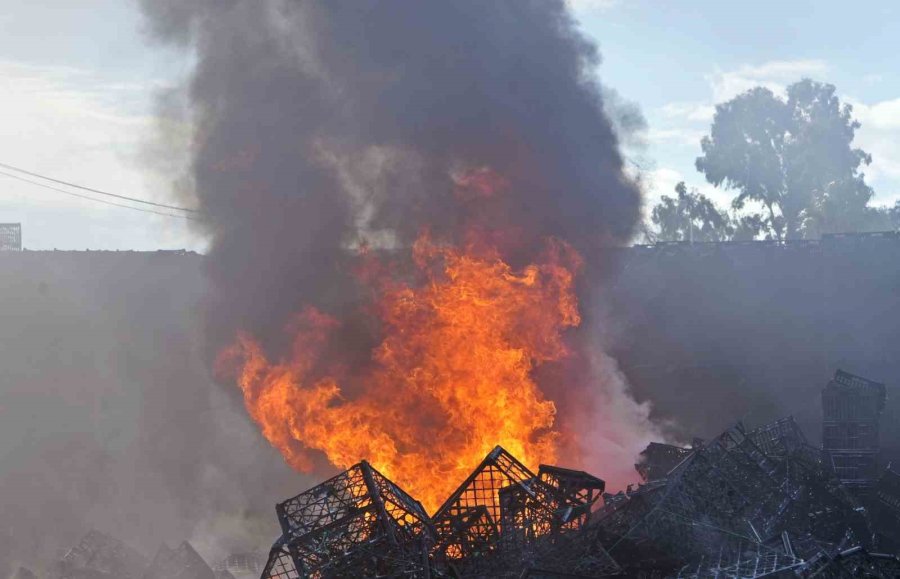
point(321, 123)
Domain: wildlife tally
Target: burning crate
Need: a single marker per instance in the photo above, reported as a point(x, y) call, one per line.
point(577, 490)
point(502, 521)
point(357, 524)
point(513, 506)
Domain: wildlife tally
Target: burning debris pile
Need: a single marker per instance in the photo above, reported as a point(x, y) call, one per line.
point(503, 517)
point(749, 503)
point(356, 520)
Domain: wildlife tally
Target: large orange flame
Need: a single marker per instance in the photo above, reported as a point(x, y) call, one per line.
point(451, 378)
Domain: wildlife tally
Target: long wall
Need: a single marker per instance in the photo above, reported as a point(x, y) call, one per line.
point(712, 333)
point(108, 417)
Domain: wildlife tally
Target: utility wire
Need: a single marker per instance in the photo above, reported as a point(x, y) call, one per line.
point(105, 202)
point(38, 175)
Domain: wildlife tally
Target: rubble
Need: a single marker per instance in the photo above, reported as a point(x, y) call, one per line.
point(503, 518)
point(763, 493)
point(854, 562)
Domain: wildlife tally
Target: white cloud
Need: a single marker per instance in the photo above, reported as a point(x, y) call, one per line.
point(774, 75)
point(687, 137)
point(725, 85)
point(84, 128)
point(585, 6)
point(662, 180)
point(879, 135)
point(873, 78)
point(881, 116)
point(700, 112)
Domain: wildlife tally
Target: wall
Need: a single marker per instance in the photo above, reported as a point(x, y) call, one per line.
point(712, 333)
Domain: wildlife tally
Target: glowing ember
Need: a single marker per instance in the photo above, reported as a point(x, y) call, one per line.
point(450, 379)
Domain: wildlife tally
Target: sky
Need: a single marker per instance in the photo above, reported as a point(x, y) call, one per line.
point(78, 81)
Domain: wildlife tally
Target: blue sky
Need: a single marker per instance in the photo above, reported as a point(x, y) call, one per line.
point(77, 79)
point(676, 59)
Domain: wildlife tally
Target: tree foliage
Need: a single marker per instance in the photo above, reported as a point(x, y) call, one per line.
point(883, 218)
point(792, 158)
point(690, 216)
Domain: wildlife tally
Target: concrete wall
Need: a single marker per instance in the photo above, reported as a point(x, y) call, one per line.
point(711, 333)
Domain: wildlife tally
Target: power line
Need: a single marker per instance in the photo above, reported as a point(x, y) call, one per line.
point(73, 194)
point(83, 188)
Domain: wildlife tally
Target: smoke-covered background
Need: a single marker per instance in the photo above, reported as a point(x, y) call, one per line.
point(108, 418)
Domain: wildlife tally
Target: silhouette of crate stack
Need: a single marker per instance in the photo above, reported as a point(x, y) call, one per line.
point(504, 520)
point(761, 498)
point(852, 408)
point(357, 524)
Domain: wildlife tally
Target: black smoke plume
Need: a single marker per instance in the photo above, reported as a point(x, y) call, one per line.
point(319, 125)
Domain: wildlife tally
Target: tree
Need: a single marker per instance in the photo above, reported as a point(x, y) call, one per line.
point(883, 218)
point(748, 227)
point(793, 158)
point(691, 216)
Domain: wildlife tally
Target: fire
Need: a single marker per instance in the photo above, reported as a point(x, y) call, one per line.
point(451, 377)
